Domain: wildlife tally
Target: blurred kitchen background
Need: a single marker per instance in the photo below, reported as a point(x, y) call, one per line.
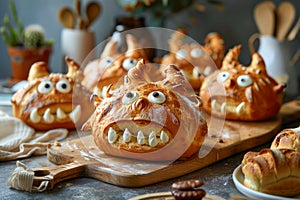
point(232, 19)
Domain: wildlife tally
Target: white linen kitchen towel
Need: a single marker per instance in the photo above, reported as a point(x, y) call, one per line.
point(18, 140)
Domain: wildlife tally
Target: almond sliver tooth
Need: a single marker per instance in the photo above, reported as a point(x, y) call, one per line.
point(140, 137)
point(111, 135)
point(196, 72)
point(152, 139)
point(164, 137)
point(126, 135)
point(214, 105)
point(223, 107)
point(48, 117)
point(34, 116)
point(75, 114)
point(60, 114)
point(240, 108)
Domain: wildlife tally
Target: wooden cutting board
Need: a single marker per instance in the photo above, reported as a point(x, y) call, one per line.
point(81, 158)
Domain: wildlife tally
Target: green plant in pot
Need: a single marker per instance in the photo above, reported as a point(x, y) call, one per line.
point(25, 45)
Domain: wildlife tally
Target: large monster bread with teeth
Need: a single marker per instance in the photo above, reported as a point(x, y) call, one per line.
point(149, 120)
point(239, 92)
point(52, 100)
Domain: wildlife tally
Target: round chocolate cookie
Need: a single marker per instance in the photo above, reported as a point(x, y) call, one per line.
point(189, 189)
point(187, 185)
point(188, 195)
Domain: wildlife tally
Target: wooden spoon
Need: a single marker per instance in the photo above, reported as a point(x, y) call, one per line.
point(80, 21)
point(66, 17)
point(264, 16)
point(285, 17)
point(292, 34)
point(93, 10)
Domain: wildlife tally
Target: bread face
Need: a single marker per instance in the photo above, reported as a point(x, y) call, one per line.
point(52, 100)
point(148, 120)
point(94, 68)
point(273, 171)
point(196, 61)
point(112, 64)
point(238, 92)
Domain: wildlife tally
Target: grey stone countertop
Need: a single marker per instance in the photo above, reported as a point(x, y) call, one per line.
point(217, 181)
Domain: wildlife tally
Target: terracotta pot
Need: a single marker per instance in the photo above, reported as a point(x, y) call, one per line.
point(21, 60)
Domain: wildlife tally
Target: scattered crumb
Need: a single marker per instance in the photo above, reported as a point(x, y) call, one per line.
point(61, 185)
point(57, 144)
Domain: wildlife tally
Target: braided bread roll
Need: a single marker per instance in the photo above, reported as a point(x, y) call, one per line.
point(287, 139)
point(273, 171)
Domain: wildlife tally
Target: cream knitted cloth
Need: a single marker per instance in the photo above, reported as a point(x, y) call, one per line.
point(17, 140)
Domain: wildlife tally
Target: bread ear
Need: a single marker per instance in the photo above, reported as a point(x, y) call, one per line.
point(133, 45)
point(258, 63)
point(176, 81)
point(73, 68)
point(110, 49)
point(176, 41)
point(38, 70)
point(231, 58)
point(136, 74)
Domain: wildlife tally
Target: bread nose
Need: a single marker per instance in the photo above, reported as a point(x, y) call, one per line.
point(229, 83)
point(141, 104)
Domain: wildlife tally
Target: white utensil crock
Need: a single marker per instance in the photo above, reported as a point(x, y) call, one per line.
point(277, 56)
point(77, 44)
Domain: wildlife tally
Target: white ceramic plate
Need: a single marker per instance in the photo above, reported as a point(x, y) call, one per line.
point(238, 179)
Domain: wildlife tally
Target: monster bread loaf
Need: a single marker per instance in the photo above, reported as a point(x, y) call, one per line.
point(52, 100)
point(238, 92)
point(149, 120)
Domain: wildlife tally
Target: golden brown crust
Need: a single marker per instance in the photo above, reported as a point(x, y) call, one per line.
point(149, 120)
point(197, 61)
point(273, 171)
point(287, 139)
point(238, 92)
point(53, 100)
point(38, 70)
point(215, 47)
point(100, 73)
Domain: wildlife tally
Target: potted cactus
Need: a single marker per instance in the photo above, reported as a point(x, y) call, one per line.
point(25, 45)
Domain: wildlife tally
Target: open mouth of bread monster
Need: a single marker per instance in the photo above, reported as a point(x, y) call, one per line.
point(141, 134)
point(224, 106)
point(54, 113)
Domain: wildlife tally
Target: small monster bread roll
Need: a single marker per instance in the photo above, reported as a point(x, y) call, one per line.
point(195, 60)
point(238, 92)
point(52, 100)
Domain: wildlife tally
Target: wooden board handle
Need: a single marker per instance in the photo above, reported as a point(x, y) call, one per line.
point(55, 174)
